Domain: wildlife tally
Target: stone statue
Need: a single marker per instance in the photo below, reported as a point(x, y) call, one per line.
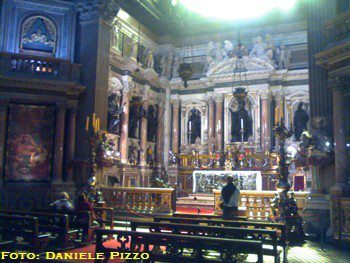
point(149, 158)
point(133, 157)
point(283, 57)
point(116, 26)
point(259, 49)
point(114, 112)
point(152, 124)
point(236, 117)
point(219, 52)
point(300, 121)
point(176, 62)
point(149, 58)
point(194, 125)
point(136, 113)
point(172, 158)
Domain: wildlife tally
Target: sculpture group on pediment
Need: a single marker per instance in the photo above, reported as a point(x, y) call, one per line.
point(149, 58)
point(221, 56)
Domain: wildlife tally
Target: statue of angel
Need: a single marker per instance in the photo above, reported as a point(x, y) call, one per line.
point(228, 46)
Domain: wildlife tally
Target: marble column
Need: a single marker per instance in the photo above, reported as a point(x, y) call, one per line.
point(211, 124)
point(70, 143)
point(124, 147)
point(219, 124)
point(320, 96)
point(3, 126)
point(175, 134)
point(167, 127)
point(92, 52)
point(59, 142)
point(341, 187)
point(160, 128)
point(265, 120)
point(143, 135)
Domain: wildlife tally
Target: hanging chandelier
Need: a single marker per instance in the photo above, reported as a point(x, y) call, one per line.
point(185, 72)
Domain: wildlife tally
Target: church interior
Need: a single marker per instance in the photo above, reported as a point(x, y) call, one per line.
point(141, 110)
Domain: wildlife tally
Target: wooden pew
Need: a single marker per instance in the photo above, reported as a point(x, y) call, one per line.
point(267, 237)
point(27, 227)
point(281, 228)
point(51, 223)
point(200, 216)
point(104, 216)
point(175, 245)
point(76, 223)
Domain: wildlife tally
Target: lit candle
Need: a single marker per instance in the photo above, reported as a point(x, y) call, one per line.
point(98, 124)
point(93, 120)
point(242, 124)
point(87, 123)
point(219, 126)
point(190, 125)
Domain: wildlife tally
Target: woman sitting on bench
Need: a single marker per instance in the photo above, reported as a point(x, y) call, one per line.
point(83, 205)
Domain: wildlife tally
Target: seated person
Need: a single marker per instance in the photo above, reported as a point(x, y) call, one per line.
point(62, 204)
point(230, 198)
point(83, 205)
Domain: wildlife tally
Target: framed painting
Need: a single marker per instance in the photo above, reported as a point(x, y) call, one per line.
point(30, 137)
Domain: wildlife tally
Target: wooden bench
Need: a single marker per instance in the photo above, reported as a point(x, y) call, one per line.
point(200, 216)
point(267, 237)
point(75, 221)
point(175, 245)
point(53, 223)
point(26, 227)
point(280, 228)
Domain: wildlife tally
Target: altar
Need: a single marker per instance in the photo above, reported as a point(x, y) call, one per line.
point(207, 181)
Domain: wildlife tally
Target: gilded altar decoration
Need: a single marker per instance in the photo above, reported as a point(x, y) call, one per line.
point(29, 143)
point(38, 34)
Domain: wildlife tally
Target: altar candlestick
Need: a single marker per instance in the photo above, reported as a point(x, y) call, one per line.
point(93, 120)
point(242, 124)
point(276, 115)
point(87, 123)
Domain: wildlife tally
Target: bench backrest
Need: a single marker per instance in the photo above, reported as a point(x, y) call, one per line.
point(131, 241)
point(281, 228)
point(52, 222)
point(12, 226)
point(203, 216)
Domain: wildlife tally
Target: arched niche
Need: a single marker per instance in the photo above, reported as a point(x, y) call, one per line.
point(38, 36)
point(233, 107)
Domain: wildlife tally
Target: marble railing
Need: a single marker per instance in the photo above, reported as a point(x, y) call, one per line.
point(25, 65)
point(341, 219)
point(337, 29)
point(258, 203)
point(140, 200)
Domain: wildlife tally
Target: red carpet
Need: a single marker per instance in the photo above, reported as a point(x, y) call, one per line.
point(204, 211)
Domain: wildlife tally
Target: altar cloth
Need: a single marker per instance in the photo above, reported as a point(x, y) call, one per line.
point(206, 181)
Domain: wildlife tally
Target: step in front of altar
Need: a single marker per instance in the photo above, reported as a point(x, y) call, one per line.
point(196, 201)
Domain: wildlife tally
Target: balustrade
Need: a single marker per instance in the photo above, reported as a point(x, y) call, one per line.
point(24, 65)
point(141, 200)
point(258, 204)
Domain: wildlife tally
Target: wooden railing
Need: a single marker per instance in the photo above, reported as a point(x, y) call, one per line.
point(25, 65)
point(140, 200)
point(337, 29)
point(258, 204)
